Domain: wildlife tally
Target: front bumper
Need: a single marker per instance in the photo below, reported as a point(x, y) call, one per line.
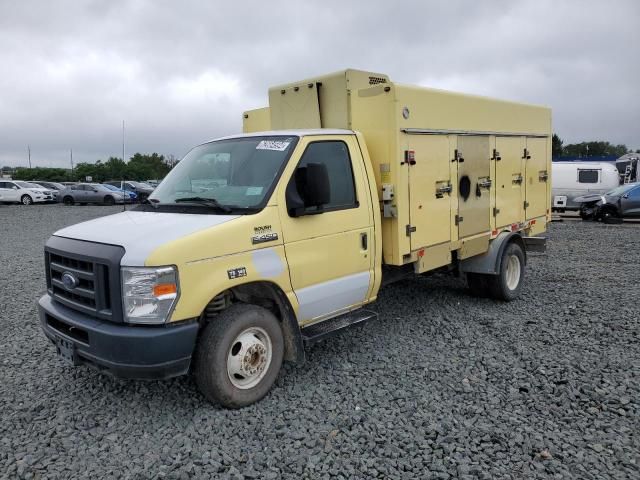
point(151, 352)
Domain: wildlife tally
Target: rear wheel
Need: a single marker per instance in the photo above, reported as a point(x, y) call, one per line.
point(109, 200)
point(68, 200)
point(478, 284)
point(26, 200)
point(239, 355)
point(506, 285)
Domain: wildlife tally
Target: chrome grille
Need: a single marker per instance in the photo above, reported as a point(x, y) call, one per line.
point(91, 292)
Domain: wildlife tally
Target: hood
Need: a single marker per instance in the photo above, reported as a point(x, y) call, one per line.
point(141, 232)
point(39, 189)
point(590, 197)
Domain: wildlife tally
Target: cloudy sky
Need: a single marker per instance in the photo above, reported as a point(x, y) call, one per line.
point(181, 72)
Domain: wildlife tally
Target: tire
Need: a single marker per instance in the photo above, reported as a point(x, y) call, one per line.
point(109, 200)
point(508, 283)
point(68, 200)
point(238, 356)
point(477, 283)
point(26, 200)
point(610, 217)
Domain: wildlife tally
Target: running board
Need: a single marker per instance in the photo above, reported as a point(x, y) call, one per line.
point(321, 330)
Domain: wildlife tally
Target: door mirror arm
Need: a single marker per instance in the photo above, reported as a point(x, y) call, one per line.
point(309, 187)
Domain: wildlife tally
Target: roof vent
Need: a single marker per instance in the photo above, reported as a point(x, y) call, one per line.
point(377, 80)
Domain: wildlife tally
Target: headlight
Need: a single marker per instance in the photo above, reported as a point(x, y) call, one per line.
point(149, 294)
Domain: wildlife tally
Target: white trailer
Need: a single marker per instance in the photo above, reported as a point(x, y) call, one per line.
point(574, 179)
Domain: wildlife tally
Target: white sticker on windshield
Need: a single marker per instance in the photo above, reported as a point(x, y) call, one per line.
point(254, 190)
point(279, 145)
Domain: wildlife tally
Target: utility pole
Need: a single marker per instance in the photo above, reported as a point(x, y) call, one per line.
point(71, 158)
point(29, 153)
point(123, 142)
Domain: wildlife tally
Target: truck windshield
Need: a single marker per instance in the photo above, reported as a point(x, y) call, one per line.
point(237, 174)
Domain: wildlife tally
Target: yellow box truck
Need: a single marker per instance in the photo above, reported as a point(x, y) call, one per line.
point(259, 243)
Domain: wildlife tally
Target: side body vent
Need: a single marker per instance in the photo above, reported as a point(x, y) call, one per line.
point(377, 80)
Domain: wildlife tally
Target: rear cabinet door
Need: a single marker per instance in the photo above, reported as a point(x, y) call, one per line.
point(474, 185)
point(509, 185)
point(536, 178)
point(429, 190)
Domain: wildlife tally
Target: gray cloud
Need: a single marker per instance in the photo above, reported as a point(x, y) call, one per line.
point(180, 73)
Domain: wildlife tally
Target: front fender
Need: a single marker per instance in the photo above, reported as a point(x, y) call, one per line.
point(202, 280)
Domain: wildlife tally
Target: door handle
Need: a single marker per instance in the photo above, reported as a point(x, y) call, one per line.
point(364, 241)
point(484, 183)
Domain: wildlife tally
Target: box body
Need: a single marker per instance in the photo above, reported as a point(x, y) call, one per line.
point(452, 170)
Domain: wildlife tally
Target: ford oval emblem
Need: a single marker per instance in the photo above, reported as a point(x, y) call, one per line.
point(69, 280)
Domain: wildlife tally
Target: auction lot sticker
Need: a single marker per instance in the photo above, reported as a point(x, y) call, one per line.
point(278, 145)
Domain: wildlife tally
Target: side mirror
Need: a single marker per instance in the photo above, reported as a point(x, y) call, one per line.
point(14, 187)
point(308, 188)
point(626, 195)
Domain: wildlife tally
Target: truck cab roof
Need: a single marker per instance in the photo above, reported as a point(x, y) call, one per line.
point(292, 133)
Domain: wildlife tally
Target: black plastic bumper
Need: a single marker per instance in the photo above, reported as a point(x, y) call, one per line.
point(152, 352)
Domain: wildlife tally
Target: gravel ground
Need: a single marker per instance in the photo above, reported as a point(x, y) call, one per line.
point(442, 385)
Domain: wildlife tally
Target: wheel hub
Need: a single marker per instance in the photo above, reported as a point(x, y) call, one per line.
point(249, 358)
point(513, 272)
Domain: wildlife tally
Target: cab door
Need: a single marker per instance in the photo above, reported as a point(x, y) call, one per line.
point(330, 254)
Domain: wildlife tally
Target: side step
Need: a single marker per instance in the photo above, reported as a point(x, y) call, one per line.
point(321, 330)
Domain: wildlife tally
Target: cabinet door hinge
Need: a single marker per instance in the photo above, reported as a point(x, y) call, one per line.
point(458, 219)
point(410, 230)
point(526, 154)
point(526, 204)
point(496, 211)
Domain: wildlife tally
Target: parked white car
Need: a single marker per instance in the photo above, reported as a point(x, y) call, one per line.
point(17, 191)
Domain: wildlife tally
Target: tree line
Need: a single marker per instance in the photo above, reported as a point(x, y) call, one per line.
point(139, 167)
point(587, 149)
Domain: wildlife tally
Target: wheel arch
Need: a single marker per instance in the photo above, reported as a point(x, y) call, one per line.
point(270, 296)
point(491, 261)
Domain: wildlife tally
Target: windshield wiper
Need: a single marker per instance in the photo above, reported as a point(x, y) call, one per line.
point(210, 202)
point(151, 202)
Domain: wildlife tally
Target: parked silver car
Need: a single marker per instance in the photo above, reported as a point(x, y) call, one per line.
point(84, 193)
point(53, 187)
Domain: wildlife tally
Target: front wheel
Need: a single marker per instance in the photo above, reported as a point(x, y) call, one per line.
point(26, 200)
point(239, 355)
point(68, 200)
point(610, 216)
point(109, 200)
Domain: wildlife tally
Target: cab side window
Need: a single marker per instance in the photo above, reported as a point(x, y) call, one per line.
point(335, 155)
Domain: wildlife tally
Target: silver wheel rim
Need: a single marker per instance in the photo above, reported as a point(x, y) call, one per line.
point(249, 358)
point(513, 272)
point(26, 200)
